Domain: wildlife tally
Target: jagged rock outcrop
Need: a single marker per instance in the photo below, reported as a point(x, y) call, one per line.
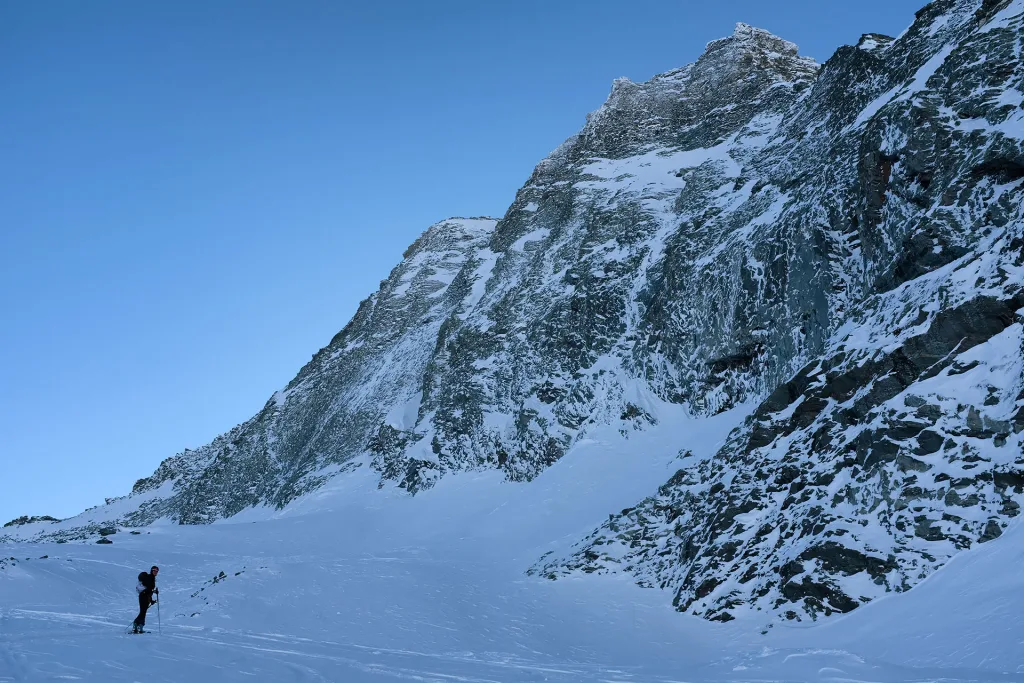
point(864, 473)
point(34, 519)
point(839, 245)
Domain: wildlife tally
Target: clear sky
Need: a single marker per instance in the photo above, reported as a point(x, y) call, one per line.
point(194, 196)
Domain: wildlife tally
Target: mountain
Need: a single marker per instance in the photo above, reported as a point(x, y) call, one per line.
point(828, 256)
point(897, 444)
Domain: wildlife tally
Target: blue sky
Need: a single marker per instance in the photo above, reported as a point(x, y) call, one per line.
point(195, 196)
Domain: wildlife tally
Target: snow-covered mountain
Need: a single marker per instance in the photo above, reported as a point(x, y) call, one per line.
point(827, 257)
point(897, 444)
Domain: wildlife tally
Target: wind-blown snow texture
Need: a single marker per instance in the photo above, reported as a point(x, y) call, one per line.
point(835, 250)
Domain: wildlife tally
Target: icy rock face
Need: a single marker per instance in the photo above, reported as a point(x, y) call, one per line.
point(594, 286)
point(839, 245)
point(898, 443)
point(337, 403)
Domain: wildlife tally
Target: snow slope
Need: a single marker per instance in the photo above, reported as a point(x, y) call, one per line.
point(356, 584)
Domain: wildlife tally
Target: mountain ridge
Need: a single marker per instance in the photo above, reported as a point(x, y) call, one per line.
point(750, 230)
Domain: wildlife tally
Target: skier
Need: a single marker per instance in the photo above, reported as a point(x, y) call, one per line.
point(146, 588)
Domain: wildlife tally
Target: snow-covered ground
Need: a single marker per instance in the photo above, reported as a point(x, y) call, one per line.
point(352, 583)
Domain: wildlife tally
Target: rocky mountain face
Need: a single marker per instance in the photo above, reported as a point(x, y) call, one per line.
point(342, 400)
point(897, 444)
point(839, 245)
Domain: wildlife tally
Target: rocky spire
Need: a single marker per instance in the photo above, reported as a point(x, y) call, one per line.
point(742, 71)
point(751, 49)
point(754, 38)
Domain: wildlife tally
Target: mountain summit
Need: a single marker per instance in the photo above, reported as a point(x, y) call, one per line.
point(750, 48)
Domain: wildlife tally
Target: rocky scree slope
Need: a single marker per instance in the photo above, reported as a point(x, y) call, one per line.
point(838, 243)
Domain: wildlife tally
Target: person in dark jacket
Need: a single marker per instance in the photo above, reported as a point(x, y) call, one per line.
point(146, 588)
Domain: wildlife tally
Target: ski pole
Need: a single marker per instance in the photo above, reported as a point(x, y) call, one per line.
point(159, 630)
